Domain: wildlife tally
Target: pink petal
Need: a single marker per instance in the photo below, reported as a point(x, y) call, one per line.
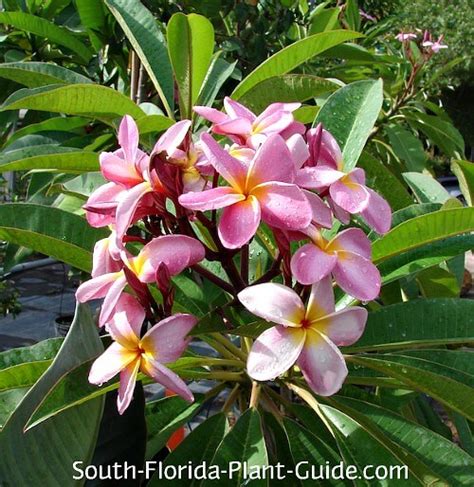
point(211, 114)
point(310, 264)
point(235, 109)
point(128, 379)
point(105, 200)
point(352, 240)
point(317, 177)
point(118, 170)
point(321, 300)
point(230, 168)
point(378, 213)
point(344, 327)
point(210, 199)
point(278, 108)
point(239, 222)
point(342, 215)
point(274, 352)
point(234, 126)
point(293, 129)
point(110, 363)
point(298, 150)
point(176, 251)
point(357, 276)
point(272, 162)
point(173, 137)
point(273, 302)
point(283, 205)
point(324, 148)
point(351, 197)
point(97, 287)
point(166, 378)
point(111, 299)
point(126, 322)
point(102, 260)
point(357, 175)
point(274, 123)
point(322, 215)
point(168, 339)
point(322, 364)
point(128, 137)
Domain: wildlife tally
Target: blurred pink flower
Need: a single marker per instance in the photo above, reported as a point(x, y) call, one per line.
point(434, 46)
point(405, 36)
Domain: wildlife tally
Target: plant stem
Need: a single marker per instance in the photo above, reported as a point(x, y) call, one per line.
point(231, 398)
point(254, 395)
point(229, 345)
point(219, 348)
point(213, 278)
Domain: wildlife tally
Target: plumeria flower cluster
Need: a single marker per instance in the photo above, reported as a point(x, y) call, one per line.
point(428, 44)
point(246, 172)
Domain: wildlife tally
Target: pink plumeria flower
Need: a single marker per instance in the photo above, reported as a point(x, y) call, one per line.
point(347, 256)
point(308, 337)
point(163, 343)
point(243, 127)
point(405, 36)
point(106, 256)
point(348, 194)
point(180, 151)
point(261, 190)
point(177, 252)
point(435, 46)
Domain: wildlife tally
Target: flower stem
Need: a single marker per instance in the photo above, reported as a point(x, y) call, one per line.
point(213, 278)
point(254, 395)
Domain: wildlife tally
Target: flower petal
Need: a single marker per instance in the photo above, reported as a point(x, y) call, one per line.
point(352, 197)
point(118, 170)
point(210, 199)
point(97, 287)
point(321, 300)
point(113, 294)
point(357, 276)
point(102, 260)
point(322, 215)
point(272, 162)
point(230, 168)
point(166, 378)
point(235, 109)
point(283, 205)
point(128, 379)
point(378, 213)
point(110, 363)
point(310, 264)
point(173, 137)
point(168, 339)
point(211, 114)
point(274, 352)
point(273, 123)
point(322, 364)
point(234, 126)
point(344, 327)
point(317, 177)
point(351, 240)
point(239, 222)
point(105, 200)
point(126, 322)
point(273, 302)
point(298, 150)
point(128, 138)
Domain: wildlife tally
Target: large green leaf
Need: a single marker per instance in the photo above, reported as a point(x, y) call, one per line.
point(45, 28)
point(286, 88)
point(426, 188)
point(464, 171)
point(50, 231)
point(418, 323)
point(146, 38)
point(77, 99)
point(92, 15)
point(153, 123)
point(349, 114)
point(190, 46)
point(49, 157)
point(34, 74)
point(48, 451)
point(292, 56)
point(407, 147)
point(244, 444)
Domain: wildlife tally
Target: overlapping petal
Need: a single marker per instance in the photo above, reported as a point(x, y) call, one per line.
point(310, 264)
point(210, 199)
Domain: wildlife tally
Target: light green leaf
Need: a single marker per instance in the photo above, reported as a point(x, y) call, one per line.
point(153, 123)
point(352, 15)
point(45, 28)
point(190, 47)
point(50, 231)
point(349, 114)
point(292, 56)
point(78, 99)
point(324, 20)
point(286, 88)
point(146, 38)
point(426, 188)
point(464, 171)
point(436, 282)
point(407, 147)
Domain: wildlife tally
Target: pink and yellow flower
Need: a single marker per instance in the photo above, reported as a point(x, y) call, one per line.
point(163, 343)
point(261, 190)
point(308, 337)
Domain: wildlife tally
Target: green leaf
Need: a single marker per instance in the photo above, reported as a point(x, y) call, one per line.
point(164, 417)
point(77, 99)
point(244, 444)
point(34, 74)
point(92, 15)
point(426, 188)
point(444, 383)
point(50, 231)
point(349, 114)
point(45, 28)
point(292, 56)
point(217, 74)
point(464, 171)
point(324, 20)
point(146, 38)
point(41, 451)
point(413, 211)
point(440, 132)
point(419, 323)
point(153, 123)
point(83, 185)
point(423, 230)
point(198, 447)
point(286, 88)
point(352, 15)
point(190, 47)
point(9, 401)
point(438, 283)
point(49, 157)
point(407, 147)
